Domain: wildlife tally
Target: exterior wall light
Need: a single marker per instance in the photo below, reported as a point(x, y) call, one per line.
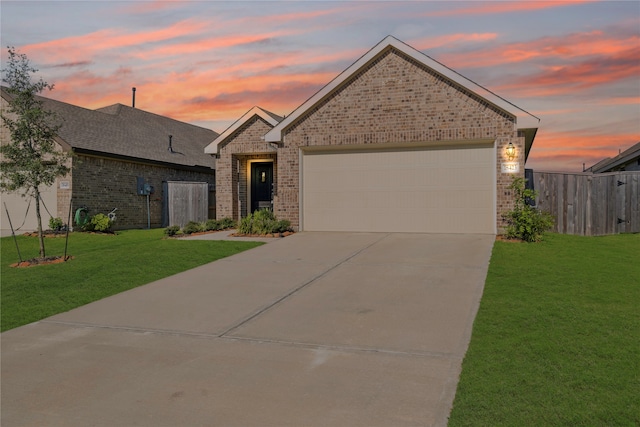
point(511, 151)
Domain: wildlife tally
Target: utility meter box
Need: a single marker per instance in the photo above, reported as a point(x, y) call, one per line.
point(140, 186)
point(143, 189)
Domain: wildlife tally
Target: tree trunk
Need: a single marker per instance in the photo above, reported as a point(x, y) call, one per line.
point(39, 218)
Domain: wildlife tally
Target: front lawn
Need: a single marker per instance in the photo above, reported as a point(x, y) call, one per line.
point(556, 341)
point(103, 265)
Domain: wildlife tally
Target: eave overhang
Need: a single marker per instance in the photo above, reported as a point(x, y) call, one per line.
point(213, 147)
point(102, 154)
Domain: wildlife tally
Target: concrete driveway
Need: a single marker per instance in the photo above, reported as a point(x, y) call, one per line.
point(317, 329)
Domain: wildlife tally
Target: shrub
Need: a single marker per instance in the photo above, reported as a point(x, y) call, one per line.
point(526, 222)
point(89, 226)
point(55, 224)
point(171, 230)
point(212, 225)
point(263, 222)
point(101, 222)
point(227, 223)
point(283, 226)
point(246, 225)
point(192, 227)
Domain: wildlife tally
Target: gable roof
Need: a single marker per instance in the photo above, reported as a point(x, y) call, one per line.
point(130, 133)
point(609, 164)
point(526, 121)
point(267, 116)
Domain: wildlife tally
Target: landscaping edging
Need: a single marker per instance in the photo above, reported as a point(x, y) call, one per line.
point(198, 233)
point(279, 235)
point(41, 261)
point(201, 233)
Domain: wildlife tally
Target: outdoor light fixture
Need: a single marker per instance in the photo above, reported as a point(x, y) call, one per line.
point(511, 151)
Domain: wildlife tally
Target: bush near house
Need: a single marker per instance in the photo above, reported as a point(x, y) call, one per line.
point(263, 222)
point(56, 224)
point(211, 225)
point(192, 227)
point(226, 223)
point(526, 222)
point(171, 230)
point(99, 222)
point(196, 227)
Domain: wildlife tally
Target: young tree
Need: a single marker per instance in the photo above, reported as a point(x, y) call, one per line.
point(31, 159)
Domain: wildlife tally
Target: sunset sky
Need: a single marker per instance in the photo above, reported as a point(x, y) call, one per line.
point(574, 64)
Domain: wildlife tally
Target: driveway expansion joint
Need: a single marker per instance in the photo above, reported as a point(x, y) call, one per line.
point(134, 329)
point(347, 348)
point(299, 344)
point(302, 286)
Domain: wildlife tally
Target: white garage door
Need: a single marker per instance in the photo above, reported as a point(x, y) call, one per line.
point(428, 190)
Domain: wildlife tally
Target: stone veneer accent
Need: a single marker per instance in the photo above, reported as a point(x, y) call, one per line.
point(395, 99)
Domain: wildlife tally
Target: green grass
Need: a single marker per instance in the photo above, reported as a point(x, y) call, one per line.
point(103, 265)
point(556, 341)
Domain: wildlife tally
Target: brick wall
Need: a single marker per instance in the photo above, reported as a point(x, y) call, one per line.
point(395, 99)
point(231, 168)
point(102, 184)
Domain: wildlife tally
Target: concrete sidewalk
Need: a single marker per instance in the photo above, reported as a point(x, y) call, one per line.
point(357, 329)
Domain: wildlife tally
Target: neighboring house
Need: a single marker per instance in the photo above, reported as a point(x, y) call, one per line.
point(397, 142)
point(116, 150)
point(628, 160)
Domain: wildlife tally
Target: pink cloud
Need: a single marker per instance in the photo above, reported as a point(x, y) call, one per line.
point(570, 46)
point(195, 95)
point(485, 8)
point(574, 77)
point(568, 150)
point(206, 44)
point(78, 48)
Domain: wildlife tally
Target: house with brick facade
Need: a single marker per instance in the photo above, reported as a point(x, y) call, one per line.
point(627, 160)
point(397, 142)
point(118, 152)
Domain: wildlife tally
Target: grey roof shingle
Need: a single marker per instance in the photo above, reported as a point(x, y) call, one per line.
point(627, 156)
point(125, 131)
point(274, 116)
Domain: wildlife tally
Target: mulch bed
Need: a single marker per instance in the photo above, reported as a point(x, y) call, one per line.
point(41, 261)
point(49, 233)
point(285, 234)
point(199, 233)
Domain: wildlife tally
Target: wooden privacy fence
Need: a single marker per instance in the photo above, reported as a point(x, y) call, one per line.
point(186, 201)
point(590, 204)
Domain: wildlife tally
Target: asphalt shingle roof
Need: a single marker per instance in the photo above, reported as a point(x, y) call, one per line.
point(125, 131)
point(605, 165)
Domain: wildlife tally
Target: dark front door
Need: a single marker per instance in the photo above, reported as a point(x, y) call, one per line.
point(261, 179)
